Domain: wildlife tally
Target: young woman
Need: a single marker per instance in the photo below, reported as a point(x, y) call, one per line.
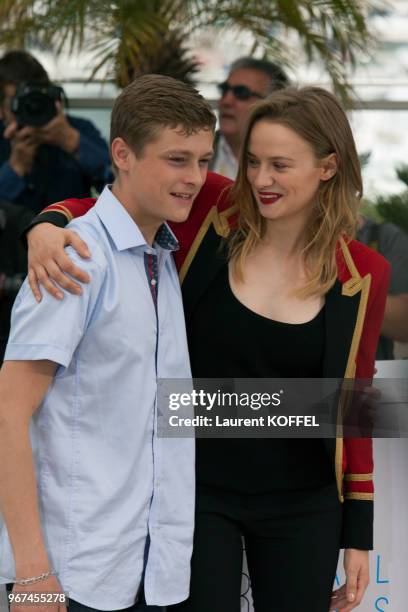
point(289, 302)
point(294, 297)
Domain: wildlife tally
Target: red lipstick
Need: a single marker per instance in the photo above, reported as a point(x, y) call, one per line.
point(267, 198)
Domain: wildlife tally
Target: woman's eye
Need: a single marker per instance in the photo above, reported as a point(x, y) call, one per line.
point(253, 163)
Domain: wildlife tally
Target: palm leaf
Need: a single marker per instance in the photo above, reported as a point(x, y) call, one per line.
point(124, 34)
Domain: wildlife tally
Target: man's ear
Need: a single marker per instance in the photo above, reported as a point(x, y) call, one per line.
point(121, 154)
point(329, 166)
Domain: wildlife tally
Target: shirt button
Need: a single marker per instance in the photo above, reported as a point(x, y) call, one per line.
point(149, 251)
point(153, 282)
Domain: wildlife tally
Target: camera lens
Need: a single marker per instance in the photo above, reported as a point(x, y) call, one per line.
point(34, 103)
point(34, 106)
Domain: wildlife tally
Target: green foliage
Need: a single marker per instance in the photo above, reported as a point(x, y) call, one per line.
point(133, 36)
point(394, 208)
point(402, 173)
point(364, 158)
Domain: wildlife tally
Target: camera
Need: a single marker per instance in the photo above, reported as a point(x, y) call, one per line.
point(34, 105)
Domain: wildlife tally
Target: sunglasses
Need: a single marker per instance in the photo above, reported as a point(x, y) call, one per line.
point(240, 92)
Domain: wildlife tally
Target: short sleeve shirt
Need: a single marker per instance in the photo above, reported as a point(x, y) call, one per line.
point(116, 501)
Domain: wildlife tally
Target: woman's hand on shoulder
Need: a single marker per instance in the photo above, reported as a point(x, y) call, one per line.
point(48, 263)
point(350, 595)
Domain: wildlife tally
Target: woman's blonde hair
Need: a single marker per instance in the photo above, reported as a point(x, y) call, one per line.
point(317, 117)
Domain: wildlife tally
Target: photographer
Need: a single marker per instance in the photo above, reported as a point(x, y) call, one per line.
point(45, 155)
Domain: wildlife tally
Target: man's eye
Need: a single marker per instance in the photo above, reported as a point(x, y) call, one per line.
point(280, 166)
point(177, 160)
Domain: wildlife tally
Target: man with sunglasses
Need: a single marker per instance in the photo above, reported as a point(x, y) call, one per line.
point(249, 80)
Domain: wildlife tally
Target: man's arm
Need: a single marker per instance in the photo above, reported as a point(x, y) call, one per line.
point(46, 243)
point(92, 152)
point(395, 323)
point(47, 334)
point(37, 334)
point(48, 264)
point(61, 213)
point(393, 245)
point(80, 138)
point(18, 162)
point(23, 385)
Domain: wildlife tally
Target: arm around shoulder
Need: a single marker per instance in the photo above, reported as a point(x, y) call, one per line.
point(36, 330)
point(49, 264)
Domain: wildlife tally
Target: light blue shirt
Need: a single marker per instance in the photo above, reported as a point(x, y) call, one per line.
point(106, 481)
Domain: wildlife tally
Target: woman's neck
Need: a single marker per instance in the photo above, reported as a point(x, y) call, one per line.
point(286, 238)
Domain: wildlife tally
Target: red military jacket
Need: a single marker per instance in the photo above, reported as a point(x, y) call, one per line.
point(354, 313)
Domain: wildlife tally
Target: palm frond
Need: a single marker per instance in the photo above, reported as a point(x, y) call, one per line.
point(124, 34)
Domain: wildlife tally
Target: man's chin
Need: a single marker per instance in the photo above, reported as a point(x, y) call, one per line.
point(228, 125)
point(179, 216)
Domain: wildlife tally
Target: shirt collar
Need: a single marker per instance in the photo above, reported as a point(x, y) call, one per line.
point(125, 232)
point(166, 239)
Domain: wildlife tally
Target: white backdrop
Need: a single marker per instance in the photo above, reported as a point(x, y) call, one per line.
point(388, 589)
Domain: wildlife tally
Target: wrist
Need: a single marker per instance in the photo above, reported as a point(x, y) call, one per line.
point(18, 168)
point(31, 562)
point(28, 570)
point(30, 580)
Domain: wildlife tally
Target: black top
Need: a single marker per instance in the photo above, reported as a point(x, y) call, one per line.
point(227, 339)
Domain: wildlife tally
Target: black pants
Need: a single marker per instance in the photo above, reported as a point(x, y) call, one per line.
point(292, 546)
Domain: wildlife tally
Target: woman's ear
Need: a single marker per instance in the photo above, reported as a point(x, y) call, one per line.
point(329, 167)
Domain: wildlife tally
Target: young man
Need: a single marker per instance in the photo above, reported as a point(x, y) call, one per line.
point(112, 505)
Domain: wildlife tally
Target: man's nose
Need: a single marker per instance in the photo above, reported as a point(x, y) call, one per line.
point(228, 99)
point(194, 175)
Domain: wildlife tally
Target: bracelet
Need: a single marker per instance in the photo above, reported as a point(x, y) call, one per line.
point(34, 579)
